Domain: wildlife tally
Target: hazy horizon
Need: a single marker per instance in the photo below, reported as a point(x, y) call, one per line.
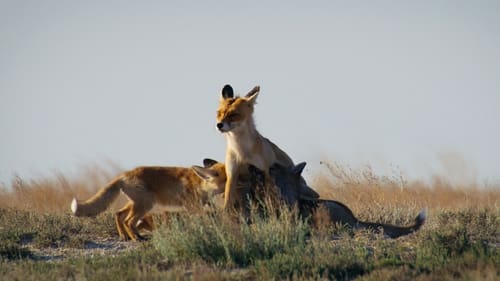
point(409, 86)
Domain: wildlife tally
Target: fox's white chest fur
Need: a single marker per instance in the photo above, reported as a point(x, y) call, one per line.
point(245, 150)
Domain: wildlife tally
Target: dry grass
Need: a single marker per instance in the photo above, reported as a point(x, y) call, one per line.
point(53, 194)
point(362, 190)
point(460, 240)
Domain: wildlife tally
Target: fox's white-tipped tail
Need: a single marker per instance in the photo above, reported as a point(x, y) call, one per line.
point(422, 216)
point(99, 202)
point(74, 206)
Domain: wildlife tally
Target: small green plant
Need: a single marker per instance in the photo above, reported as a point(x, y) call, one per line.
point(228, 241)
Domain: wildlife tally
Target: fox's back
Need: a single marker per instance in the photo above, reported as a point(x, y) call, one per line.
point(280, 156)
point(168, 184)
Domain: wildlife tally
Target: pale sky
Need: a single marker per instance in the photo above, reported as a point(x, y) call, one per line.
point(411, 85)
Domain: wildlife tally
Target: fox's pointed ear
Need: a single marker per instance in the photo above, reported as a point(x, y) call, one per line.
point(203, 173)
point(227, 92)
point(297, 169)
point(207, 162)
point(252, 95)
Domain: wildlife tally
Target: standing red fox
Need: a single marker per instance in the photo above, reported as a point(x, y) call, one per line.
point(245, 145)
point(148, 187)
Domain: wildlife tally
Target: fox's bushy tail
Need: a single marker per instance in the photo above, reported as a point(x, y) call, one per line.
point(99, 202)
point(394, 231)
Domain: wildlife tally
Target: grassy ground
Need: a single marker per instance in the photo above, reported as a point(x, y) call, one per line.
point(40, 240)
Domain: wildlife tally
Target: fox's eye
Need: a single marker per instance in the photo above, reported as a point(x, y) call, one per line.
point(233, 116)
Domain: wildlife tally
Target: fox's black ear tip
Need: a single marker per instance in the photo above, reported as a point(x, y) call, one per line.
point(297, 169)
point(207, 162)
point(227, 91)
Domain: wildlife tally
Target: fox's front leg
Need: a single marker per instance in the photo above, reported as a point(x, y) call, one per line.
point(232, 172)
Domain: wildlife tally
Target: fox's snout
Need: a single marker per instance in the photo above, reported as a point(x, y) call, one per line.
point(224, 127)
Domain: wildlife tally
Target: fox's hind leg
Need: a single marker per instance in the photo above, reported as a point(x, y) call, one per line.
point(140, 203)
point(120, 220)
point(131, 220)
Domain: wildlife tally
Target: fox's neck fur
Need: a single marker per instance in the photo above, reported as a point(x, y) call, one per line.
point(248, 146)
point(244, 140)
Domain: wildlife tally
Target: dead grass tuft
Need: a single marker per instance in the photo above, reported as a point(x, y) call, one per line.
point(369, 194)
point(54, 193)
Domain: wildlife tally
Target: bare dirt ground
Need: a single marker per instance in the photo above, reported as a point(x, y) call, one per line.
point(98, 247)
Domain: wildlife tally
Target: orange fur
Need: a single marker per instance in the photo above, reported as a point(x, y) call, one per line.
point(154, 187)
point(245, 145)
